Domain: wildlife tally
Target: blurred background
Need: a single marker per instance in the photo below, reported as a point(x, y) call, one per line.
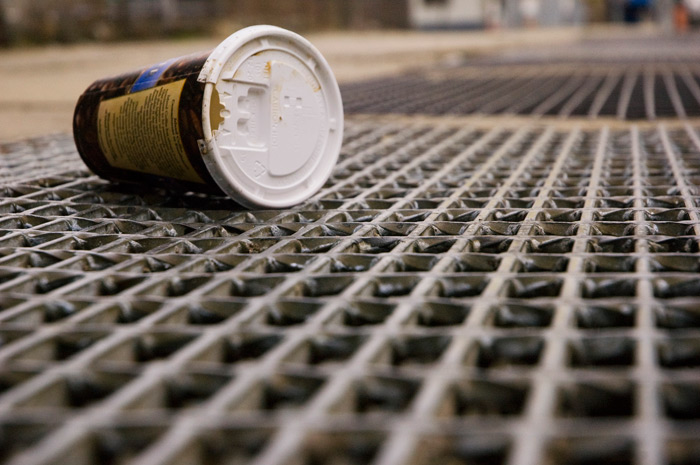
point(44, 21)
point(51, 50)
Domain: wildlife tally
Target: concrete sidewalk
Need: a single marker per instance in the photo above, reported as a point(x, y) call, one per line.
point(39, 87)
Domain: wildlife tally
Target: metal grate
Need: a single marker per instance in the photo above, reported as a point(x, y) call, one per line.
point(459, 291)
point(631, 89)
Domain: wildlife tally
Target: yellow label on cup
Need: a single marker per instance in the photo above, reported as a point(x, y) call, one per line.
point(141, 132)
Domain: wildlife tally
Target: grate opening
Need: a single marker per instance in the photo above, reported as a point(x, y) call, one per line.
point(479, 398)
point(464, 449)
point(18, 436)
point(353, 449)
point(587, 451)
point(613, 399)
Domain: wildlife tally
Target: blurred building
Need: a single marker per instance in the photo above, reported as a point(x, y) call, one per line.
point(440, 14)
point(71, 20)
point(450, 14)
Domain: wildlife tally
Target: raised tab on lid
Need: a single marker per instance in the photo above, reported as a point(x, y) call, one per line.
point(275, 132)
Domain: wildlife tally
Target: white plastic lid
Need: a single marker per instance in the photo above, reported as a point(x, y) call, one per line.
point(272, 117)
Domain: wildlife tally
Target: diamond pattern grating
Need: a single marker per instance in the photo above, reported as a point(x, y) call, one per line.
point(459, 291)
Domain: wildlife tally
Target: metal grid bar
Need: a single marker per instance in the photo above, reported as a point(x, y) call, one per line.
point(459, 290)
point(608, 86)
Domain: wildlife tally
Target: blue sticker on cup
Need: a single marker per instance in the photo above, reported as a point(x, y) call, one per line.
point(150, 77)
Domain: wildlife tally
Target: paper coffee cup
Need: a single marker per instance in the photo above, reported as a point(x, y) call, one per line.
point(260, 118)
